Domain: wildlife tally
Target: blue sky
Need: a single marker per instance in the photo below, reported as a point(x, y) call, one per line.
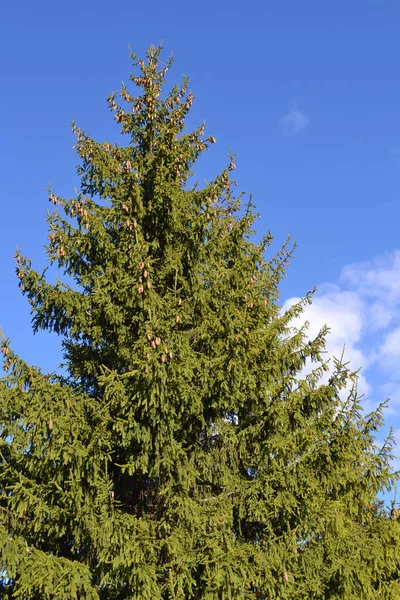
point(307, 94)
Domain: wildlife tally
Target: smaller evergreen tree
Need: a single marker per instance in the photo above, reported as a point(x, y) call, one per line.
point(182, 453)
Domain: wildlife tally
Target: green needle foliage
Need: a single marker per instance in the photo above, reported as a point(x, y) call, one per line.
point(182, 452)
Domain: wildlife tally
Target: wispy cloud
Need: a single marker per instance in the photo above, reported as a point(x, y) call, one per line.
point(294, 122)
point(391, 346)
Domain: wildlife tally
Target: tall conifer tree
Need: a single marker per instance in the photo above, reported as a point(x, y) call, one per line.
point(181, 453)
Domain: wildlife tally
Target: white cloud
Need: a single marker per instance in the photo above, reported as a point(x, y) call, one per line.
point(391, 347)
point(294, 122)
point(379, 279)
point(363, 313)
point(379, 316)
point(342, 311)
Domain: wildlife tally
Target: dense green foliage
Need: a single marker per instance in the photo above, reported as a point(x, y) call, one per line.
point(182, 452)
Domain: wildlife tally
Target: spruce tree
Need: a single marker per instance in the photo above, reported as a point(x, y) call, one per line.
point(181, 452)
